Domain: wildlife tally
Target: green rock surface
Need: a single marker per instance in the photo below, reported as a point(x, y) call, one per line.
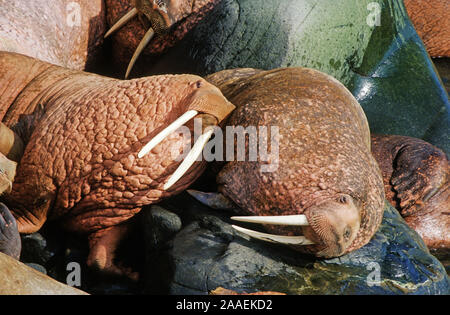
point(207, 254)
point(385, 64)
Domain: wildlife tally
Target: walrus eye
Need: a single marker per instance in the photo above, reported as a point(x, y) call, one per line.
point(343, 199)
point(199, 84)
point(347, 233)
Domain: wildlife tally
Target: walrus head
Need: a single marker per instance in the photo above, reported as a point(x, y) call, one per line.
point(325, 194)
point(158, 17)
point(334, 223)
point(328, 229)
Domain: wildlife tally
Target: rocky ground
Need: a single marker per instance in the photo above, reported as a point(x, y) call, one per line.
point(183, 247)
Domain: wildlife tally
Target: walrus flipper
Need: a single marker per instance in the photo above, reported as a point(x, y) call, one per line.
point(10, 243)
point(419, 170)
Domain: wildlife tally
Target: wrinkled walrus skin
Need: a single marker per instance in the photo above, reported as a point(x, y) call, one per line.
point(82, 134)
point(66, 33)
point(417, 182)
point(325, 163)
point(431, 19)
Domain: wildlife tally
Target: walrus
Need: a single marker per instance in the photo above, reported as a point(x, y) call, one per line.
point(10, 243)
point(431, 20)
point(82, 135)
point(151, 26)
point(416, 178)
point(326, 183)
point(316, 165)
point(66, 33)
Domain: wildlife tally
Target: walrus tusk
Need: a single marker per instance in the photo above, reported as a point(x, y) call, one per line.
point(190, 159)
point(123, 20)
point(293, 220)
point(147, 38)
point(166, 132)
point(280, 239)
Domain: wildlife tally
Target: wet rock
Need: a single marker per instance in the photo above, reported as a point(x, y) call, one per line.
point(207, 254)
point(159, 226)
point(35, 250)
point(18, 279)
point(370, 46)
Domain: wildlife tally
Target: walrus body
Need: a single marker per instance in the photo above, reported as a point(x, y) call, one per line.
point(415, 173)
point(82, 134)
point(417, 182)
point(65, 32)
point(431, 20)
point(324, 160)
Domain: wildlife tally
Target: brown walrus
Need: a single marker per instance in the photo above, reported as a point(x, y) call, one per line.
point(417, 182)
point(326, 179)
point(83, 134)
point(320, 157)
point(432, 22)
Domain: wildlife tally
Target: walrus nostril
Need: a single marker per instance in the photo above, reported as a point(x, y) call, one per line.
point(347, 233)
point(343, 199)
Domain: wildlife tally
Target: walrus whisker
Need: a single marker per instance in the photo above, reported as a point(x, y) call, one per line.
point(190, 159)
point(147, 38)
point(292, 220)
point(166, 132)
point(272, 238)
point(123, 20)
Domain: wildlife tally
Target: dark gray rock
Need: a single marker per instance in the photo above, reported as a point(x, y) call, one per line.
point(35, 250)
point(207, 254)
point(159, 226)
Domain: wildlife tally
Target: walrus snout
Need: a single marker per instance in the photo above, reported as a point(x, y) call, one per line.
point(328, 229)
point(333, 225)
point(207, 103)
point(159, 16)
